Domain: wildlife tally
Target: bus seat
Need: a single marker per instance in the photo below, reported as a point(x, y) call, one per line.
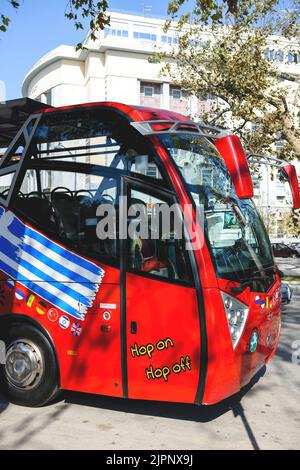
point(39, 209)
point(66, 209)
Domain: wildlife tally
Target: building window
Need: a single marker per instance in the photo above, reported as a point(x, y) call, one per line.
point(279, 144)
point(176, 94)
point(116, 32)
point(269, 54)
point(148, 91)
point(256, 182)
point(145, 36)
point(45, 98)
point(169, 39)
point(48, 95)
point(293, 58)
point(279, 182)
point(279, 56)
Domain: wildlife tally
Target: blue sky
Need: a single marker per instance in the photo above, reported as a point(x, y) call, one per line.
point(40, 26)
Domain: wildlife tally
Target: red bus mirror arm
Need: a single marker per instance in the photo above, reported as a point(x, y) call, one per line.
point(231, 149)
point(289, 171)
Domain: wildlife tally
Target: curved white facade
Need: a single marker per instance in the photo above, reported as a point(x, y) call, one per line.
point(113, 68)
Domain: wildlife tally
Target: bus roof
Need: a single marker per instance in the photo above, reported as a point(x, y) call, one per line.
point(135, 113)
point(14, 113)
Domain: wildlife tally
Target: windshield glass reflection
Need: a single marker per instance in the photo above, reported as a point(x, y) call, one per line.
point(234, 231)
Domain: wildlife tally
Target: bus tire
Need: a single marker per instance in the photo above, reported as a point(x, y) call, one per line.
point(30, 374)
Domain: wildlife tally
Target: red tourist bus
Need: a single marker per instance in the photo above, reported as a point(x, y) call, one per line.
point(135, 317)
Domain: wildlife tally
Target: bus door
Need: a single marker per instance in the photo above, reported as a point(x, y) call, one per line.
point(160, 303)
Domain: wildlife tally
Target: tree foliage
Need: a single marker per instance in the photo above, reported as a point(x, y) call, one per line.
point(77, 11)
point(289, 224)
point(94, 11)
point(221, 51)
point(4, 20)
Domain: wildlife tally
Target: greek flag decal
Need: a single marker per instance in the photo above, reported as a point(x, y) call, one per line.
point(62, 278)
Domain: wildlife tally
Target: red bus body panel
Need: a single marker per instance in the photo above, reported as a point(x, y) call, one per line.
point(162, 312)
point(231, 149)
point(290, 171)
point(230, 369)
point(84, 359)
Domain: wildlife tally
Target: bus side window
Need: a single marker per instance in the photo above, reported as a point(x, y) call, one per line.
point(156, 243)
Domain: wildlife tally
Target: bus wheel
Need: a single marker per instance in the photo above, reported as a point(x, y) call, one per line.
point(30, 372)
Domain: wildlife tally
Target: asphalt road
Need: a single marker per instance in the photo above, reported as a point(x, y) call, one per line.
point(265, 416)
point(290, 266)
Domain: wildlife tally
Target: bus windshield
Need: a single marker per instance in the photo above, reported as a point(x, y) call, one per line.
point(236, 236)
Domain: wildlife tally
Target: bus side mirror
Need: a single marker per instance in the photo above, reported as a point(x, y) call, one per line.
point(289, 171)
point(231, 149)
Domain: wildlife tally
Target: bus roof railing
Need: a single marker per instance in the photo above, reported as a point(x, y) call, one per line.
point(13, 114)
point(287, 170)
point(266, 160)
point(175, 127)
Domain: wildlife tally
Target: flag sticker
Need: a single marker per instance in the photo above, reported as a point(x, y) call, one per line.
point(30, 300)
point(41, 308)
point(64, 322)
point(50, 271)
point(264, 303)
point(19, 294)
point(52, 315)
point(76, 329)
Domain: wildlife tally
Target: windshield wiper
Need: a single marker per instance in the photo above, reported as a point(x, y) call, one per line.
point(274, 270)
point(246, 283)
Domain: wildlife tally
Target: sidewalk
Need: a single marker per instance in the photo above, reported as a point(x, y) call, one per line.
point(290, 266)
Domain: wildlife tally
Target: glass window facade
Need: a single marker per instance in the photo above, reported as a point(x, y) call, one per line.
point(116, 32)
point(145, 36)
point(169, 39)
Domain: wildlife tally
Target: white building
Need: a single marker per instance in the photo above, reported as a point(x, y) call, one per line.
point(116, 68)
point(113, 68)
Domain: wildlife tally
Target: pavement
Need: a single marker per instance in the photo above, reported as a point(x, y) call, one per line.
point(265, 415)
point(290, 266)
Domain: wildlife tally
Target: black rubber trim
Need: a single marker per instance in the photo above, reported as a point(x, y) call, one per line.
point(123, 320)
point(203, 333)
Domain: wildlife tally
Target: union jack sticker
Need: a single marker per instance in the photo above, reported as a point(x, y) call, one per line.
point(76, 329)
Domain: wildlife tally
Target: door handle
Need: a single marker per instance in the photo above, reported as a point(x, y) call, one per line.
point(133, 328)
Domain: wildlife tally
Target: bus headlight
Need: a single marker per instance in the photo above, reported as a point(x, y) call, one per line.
point(236, 313)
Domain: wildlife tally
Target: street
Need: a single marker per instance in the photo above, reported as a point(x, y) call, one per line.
point(290, 266)
point(265, 416)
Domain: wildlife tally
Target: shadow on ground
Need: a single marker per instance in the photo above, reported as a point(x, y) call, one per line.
point(181, 411)
point(3, 403)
